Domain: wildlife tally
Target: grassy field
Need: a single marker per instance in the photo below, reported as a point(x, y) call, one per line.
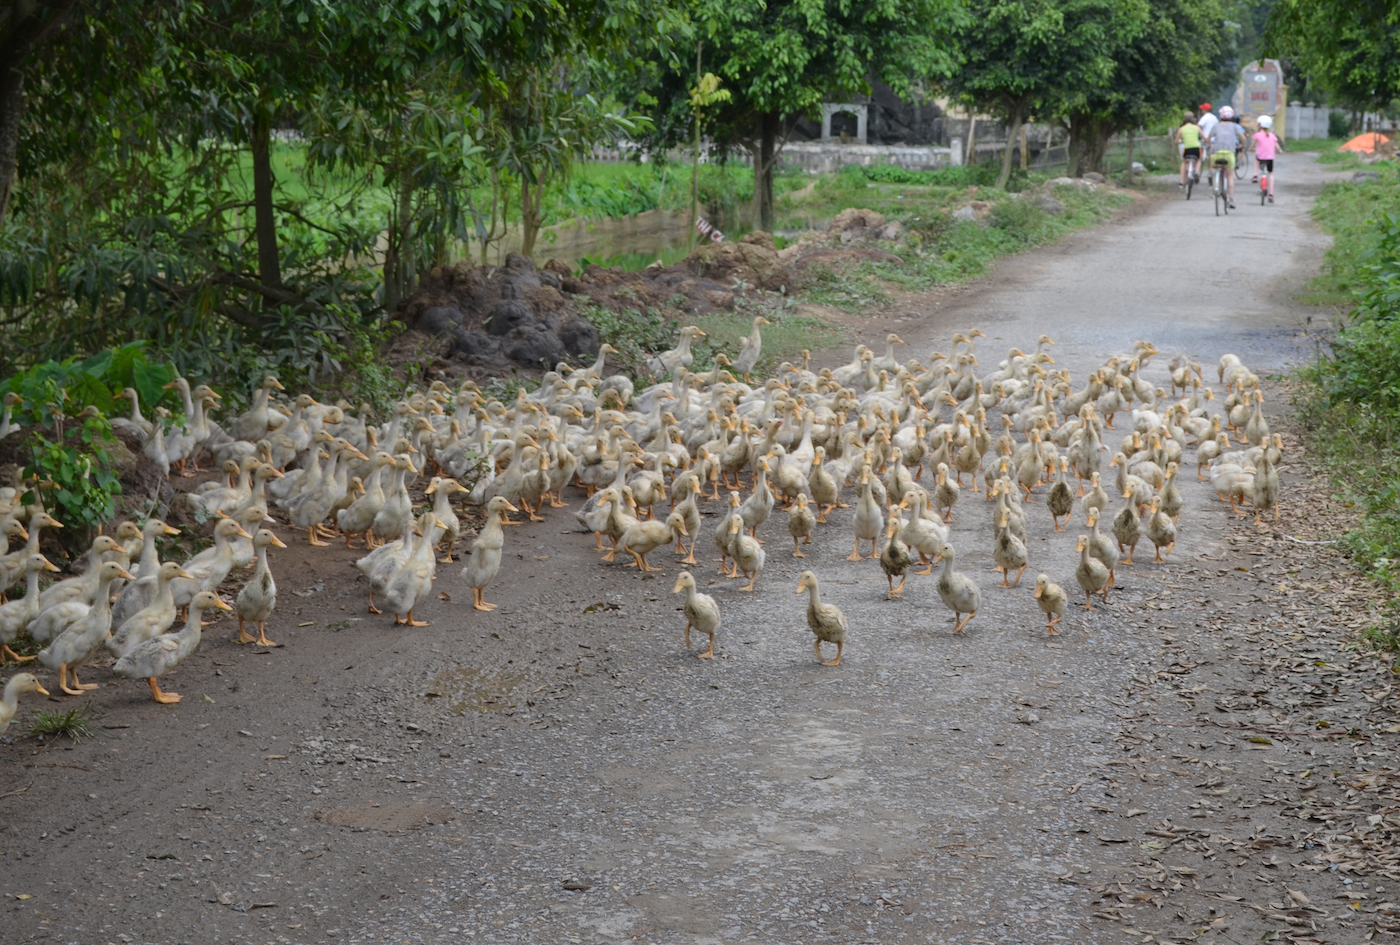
point(942, 250)
point(939, 249)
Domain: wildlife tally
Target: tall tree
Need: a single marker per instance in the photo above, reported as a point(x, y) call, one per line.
point(1174, 60)
point(780, 59)
point(1351, 48)
point(1023, 57)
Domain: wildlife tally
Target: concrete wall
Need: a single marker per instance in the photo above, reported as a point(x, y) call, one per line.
point(1310, 121)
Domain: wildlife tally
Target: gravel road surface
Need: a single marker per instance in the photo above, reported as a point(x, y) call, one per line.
point(1191, 762)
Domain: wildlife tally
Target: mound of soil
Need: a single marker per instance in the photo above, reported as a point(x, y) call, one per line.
point(495, 319)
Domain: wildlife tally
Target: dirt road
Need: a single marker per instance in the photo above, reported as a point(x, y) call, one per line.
point(564, 771)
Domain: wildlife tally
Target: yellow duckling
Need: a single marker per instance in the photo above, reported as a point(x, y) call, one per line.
point(801, 523)
point(19, 684)
point(1160, 530)
point(747, 552)
point(701, 612)
point(1052, 600)
point(959, 593)
point(485, 560)
point(1091, 574)
point(644, 537)
point(825, 620)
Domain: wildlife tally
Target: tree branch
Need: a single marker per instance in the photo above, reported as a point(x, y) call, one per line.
point(231, 311)
point(311, 223)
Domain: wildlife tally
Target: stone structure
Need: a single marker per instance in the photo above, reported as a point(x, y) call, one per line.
point(861, 113)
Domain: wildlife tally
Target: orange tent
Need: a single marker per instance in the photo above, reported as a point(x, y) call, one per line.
point(1367, 143)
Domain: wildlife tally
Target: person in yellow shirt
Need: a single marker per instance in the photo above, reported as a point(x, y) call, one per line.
point(1188, 141)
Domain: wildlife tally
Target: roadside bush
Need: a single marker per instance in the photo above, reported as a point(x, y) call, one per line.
point(635, 334)
point(1022, 220)
point(71, 459)
point(1349, 402)
point(1338, 125)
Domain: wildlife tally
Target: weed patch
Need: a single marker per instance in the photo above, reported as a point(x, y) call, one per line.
point(76, 724)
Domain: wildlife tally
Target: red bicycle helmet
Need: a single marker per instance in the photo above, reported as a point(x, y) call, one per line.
point(1205, 107)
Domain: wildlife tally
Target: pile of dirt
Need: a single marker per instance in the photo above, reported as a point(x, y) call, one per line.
point(494, 319)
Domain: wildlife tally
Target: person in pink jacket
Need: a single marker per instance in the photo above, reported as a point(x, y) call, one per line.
point(1265, 145)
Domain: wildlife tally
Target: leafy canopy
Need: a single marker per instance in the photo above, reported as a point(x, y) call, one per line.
point(1351, 48)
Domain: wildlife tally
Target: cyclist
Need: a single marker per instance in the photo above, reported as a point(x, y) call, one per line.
point(1265, 145)
point(1207, 122)
point(1188, 139)
point(1225, 139)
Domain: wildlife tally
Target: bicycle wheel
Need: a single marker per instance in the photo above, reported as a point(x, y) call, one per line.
point(1239, 168)
point(1190, 182)
point(1215, 188)
point(1263, 189)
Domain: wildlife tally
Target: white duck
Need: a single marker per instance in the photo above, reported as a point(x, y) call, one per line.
point(156, 617)
point(155, 657)
point(19, 684)
point(84, 636)
point(207, 570)
point(258, 598)
point(17, 615)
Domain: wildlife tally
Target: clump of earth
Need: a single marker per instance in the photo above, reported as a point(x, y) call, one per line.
point(491, 319)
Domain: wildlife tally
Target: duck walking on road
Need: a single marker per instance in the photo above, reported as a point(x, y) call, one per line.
point(825, 620)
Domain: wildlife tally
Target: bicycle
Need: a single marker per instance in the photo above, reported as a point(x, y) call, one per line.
point(1219, 187)
point(1193, 168)
point(1239, 163)
point(1263, 186)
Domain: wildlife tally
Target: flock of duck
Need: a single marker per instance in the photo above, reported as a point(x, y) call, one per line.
point(803, 439)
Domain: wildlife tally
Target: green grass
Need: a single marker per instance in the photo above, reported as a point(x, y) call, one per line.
point(76, 723)
point(1300, 145)
point(1340, 160)
point(851, 288)
point(1343, 209)
point(942, 250)
point(784, 340)
point(1349, 398)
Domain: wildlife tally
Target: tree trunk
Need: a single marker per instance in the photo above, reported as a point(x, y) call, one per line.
point(1013, 129)
point(1088, 141)
point(1025, 159)
point(763, 169)
point(11, 108)
point(495, 205)
point(971, 157)
point(398, 257)
point(264, 216)
point(531, 199)
point(695, 161)
point(1074, 146)
point(1100, 131)
point(26, 33)
point(1130, 157)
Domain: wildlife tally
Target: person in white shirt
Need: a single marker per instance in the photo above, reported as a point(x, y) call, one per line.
point(1207, 122)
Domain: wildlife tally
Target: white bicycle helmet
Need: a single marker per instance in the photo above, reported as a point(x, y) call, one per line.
point(1227, 113)
point(1265, 121)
